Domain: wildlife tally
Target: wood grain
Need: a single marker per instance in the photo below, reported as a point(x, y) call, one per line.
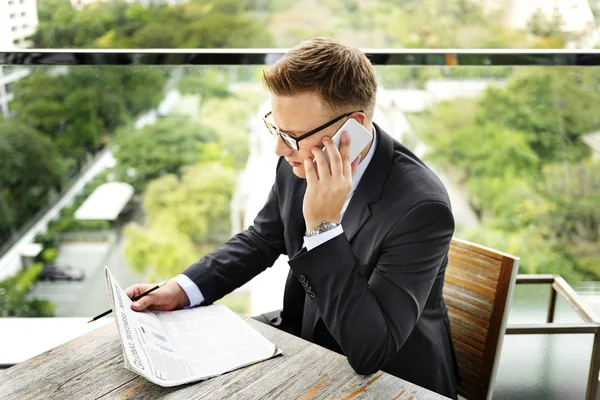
point(476, 291)
point(91, 367)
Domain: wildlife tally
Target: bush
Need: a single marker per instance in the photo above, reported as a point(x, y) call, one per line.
point(13, 293)
point(49, 254)
point(48, 239)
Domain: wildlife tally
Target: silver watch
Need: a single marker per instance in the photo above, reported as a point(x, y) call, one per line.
point(324, 227)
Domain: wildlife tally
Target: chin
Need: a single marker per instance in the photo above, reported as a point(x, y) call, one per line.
point(299, 172)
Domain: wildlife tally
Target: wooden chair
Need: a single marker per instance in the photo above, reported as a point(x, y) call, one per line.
point(477, 290)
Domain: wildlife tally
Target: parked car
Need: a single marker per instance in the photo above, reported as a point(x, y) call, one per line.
point(53, 272)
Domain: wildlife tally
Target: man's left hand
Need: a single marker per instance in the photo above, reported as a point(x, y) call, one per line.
point(327, 186)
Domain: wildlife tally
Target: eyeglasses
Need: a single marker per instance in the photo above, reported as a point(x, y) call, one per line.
point(291, 141)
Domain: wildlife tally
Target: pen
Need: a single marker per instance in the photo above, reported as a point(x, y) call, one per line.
point(134, 298)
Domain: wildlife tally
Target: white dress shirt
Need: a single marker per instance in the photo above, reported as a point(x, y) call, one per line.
point(195, 295)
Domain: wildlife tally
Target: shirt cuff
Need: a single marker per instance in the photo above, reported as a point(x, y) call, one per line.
point(190, 288)
point(311, 242)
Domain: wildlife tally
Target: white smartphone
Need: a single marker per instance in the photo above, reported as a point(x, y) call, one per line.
point(359, 138)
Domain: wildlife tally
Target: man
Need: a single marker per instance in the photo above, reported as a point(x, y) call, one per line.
point(370, 287)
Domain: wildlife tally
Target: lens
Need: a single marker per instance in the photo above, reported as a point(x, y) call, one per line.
point(289, 141)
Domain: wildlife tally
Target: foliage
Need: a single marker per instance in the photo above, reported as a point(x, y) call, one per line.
point(158, 149)
point(76, 109)
point(518, 150)
point(117, 24)
point(13, 296)
point(207, 82)
point(229, 118)
point(181, 214)
point(555, 106)
point(31, 170)
point(161, 253)
point(48, 255)
point(197, 204)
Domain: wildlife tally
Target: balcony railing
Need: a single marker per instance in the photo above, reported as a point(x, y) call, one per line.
point(391, 58)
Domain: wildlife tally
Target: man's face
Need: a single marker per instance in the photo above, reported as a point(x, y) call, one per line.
point(297, 115)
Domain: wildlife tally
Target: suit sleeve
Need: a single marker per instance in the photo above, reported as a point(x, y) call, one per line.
point(371, 319)
point(243, 256)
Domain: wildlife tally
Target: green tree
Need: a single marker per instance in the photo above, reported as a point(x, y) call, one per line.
point(31, 170)
point(185, 217)
point(197, 205)
point(161, 253)
point(554, 106)
point(223, 31)
point(13, 296)
point(158, 149)
point(76, 109)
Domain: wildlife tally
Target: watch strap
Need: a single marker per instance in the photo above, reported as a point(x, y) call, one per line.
point(322, 228)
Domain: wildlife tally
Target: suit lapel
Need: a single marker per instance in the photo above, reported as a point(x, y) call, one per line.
point(356, 214)
point(296, 220)
point(371, 185)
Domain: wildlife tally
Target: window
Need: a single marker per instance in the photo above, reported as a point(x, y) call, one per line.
point(11, 2)
point(25, 26)
point(23, 14)
point(14, 29)
point(12, 15)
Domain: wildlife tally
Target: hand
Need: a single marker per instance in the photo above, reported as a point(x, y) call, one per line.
point(328, 186)
point(167, 298)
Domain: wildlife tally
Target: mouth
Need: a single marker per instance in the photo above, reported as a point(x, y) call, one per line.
point(294, 164)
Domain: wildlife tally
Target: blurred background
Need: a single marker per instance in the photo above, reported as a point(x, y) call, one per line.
point(146, 169)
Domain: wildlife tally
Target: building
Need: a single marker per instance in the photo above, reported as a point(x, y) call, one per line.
point(8, 76)
point(18, 22)
point(575, 16)
point(593, 141)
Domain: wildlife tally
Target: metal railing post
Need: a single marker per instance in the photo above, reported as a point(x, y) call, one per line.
point(551, 305)
point(592, 387)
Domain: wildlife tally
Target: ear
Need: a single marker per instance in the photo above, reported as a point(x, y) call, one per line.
point(359, 116)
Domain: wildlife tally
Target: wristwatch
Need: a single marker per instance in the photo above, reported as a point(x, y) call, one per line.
point(322, 228)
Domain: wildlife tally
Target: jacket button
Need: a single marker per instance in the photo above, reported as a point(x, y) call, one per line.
point(311, 294)
point(302, 278)
point(308, 288)
point(305, 284)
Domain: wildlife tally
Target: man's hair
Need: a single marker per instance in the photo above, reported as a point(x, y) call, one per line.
point(342, 75)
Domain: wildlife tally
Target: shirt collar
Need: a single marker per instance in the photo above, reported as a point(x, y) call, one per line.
point(362, 166)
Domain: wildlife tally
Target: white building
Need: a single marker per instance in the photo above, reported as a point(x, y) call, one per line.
point(576, 16)
point(8, 76)
point(18, 21)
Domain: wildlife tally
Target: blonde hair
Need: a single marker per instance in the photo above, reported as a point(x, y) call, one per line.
point(342, 75)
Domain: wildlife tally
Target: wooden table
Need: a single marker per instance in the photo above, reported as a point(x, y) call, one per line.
point(91, 367)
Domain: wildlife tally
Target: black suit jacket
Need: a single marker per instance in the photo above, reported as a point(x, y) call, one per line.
point(373, 293)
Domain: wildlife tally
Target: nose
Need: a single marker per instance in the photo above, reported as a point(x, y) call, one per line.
point(281, 149)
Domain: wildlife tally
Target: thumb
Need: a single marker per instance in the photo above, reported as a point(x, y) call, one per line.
point(142, 303)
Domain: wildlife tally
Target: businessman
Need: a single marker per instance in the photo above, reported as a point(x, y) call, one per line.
point(367, 239)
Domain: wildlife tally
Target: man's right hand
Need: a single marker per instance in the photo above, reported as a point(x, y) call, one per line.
point(167, 298)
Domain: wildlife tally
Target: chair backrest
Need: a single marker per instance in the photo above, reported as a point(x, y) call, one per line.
point(477, 291)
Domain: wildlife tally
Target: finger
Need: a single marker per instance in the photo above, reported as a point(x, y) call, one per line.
point(144, 302)
point(136, 289)
point(345, 153)
point(324, 172)
point(355, 164)
point(310, 172)
point(335, 159)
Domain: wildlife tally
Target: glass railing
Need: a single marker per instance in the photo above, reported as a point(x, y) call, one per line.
point(145, 161)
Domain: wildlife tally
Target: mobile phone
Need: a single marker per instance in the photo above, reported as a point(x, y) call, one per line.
point(359, 138)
